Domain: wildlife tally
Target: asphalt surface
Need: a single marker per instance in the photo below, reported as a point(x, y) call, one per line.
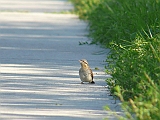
point(39, 53)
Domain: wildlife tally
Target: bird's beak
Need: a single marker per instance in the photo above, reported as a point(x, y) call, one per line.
point(80, 61)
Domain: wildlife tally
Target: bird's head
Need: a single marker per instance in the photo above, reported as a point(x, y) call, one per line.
point(83, 63)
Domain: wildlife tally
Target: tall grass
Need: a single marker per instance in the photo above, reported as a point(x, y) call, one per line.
point(118, 20)
point(131, 29)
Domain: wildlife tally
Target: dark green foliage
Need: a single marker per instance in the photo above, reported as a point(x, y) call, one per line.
point(119, 20)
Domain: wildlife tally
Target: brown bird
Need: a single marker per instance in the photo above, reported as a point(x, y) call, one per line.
point(85, 73)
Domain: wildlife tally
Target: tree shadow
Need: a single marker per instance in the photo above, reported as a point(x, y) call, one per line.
point(39, 70)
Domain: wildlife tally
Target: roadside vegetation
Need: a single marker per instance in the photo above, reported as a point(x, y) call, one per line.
point(131, 29)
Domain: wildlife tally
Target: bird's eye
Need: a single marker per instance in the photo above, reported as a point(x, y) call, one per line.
point(85, 62)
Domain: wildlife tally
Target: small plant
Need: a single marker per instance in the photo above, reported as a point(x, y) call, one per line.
point(83, 43)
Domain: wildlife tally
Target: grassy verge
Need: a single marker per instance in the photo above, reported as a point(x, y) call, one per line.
point(131, 29)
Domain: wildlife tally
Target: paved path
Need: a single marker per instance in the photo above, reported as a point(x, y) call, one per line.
point(35, 6)
point(39, 55)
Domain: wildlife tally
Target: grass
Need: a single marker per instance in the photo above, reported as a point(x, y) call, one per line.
point(131, 29)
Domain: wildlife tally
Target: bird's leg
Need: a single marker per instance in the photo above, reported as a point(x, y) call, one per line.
point(82, 83)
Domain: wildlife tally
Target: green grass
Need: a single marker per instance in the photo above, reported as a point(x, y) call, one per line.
point(131, 29)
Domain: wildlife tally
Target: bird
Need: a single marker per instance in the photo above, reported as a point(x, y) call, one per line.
point(85, 73)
